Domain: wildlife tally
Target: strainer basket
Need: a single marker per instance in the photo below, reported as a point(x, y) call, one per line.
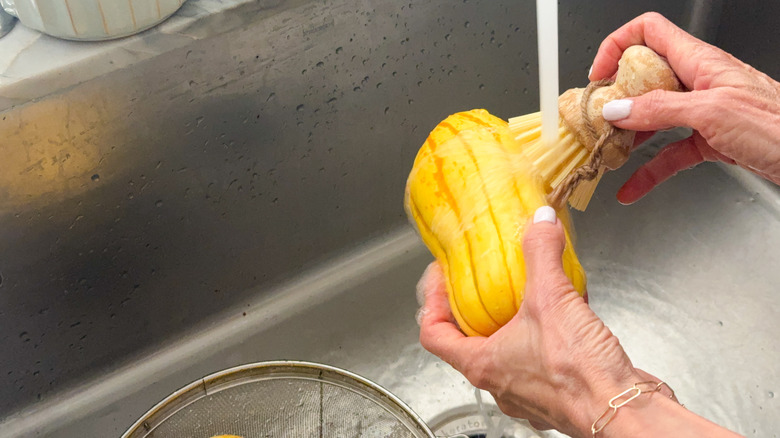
point(281, 399)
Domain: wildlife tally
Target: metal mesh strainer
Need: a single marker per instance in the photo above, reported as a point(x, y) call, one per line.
point(281, 399)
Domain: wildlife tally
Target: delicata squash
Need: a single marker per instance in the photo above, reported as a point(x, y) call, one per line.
point(470, 195)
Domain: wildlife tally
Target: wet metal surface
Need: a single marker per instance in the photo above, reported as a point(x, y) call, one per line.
point(197, 211)
point(686, 279)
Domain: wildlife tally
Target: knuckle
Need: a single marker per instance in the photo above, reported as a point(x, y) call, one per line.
point(425, 339)
point(540, 238)
point(554, 294)
point(654, 101)
point(652, 16)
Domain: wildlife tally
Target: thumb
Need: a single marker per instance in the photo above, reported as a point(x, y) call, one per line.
point(658, 110)
point(543, 245)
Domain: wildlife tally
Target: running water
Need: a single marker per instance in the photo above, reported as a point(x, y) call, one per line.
point(494, 430)
point(547, 41)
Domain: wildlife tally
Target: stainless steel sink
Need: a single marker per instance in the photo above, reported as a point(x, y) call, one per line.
point(239, 200)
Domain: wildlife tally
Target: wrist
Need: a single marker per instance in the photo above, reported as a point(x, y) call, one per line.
point(593, 400)
point(650, 414)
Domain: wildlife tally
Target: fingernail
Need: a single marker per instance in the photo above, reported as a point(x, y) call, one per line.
point(545, 213)
point(422, 284)
point(420, 314)
point(617, 109)
point(590, 71)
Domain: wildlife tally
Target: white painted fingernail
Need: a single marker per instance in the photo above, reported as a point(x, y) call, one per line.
point(590, 70)
point(422, 284)
point(421, 312)
point(617, 109)
point(545, 213)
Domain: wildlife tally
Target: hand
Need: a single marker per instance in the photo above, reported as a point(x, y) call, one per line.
point(555, 363)
point(733, 108)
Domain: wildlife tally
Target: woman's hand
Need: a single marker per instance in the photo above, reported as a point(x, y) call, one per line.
point(733, 108)
point(555, 363)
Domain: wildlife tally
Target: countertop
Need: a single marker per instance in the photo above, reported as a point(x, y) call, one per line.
point(34, 65)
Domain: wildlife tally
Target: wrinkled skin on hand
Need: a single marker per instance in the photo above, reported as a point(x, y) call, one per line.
point(733, 108)
point(555, 363)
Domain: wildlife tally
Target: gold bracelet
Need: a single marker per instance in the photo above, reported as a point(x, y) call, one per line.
point(629, 394)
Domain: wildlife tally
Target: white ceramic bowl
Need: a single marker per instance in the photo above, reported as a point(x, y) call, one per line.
point(91, 19)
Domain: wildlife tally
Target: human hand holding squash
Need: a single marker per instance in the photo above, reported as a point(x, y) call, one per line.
point(470, 194)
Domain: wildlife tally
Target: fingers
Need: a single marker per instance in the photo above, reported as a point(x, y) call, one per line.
point(656, 110)
point(438, 334)
point(543, 245)
point(642, 136)
point(660, 110)
point(658, 33)
point(432, 296)
point(673, 158)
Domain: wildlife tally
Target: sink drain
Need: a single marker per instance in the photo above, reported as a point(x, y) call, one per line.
point(469, 422)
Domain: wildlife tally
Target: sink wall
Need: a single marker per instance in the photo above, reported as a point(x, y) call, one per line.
point(159, 198)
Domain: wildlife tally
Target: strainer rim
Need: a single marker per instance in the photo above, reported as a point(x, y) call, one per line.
point(257, 371)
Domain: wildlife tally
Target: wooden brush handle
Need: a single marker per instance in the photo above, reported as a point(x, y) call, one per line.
point(640, 70)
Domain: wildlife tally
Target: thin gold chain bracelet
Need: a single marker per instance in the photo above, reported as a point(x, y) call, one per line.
point(624, 398)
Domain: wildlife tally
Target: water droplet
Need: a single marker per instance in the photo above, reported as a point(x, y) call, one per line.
point(481, 86)
point(320, 64)
point(387, 108)
point(331, 100)
point(22, 335)
point(198, 120)
point(356, 89)
point(270, 98)
point(339, 50)
point(159, 203)
point(299, 107)
point(96, 177)
point(466, 24)
point(447, 37)
point(379, 85)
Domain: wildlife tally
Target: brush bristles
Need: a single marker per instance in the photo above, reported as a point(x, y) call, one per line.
point(553, 161)
point(582, 194)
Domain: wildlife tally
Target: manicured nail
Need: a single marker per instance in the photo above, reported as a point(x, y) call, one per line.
point(545, 213)
point(590, 71)
point(418, 316)
point(617, 109)
point(422, 284)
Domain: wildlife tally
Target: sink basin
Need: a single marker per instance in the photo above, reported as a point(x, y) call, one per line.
point(239, 199)
point(684, 278)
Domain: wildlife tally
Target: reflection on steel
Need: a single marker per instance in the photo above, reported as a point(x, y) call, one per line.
point(144, 212)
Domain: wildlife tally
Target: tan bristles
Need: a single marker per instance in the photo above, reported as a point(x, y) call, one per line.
point(582, 194)
point(554, 162)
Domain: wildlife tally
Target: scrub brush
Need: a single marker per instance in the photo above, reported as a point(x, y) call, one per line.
point(587, 144)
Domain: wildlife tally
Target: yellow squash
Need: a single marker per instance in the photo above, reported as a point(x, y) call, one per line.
point(471, 194)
